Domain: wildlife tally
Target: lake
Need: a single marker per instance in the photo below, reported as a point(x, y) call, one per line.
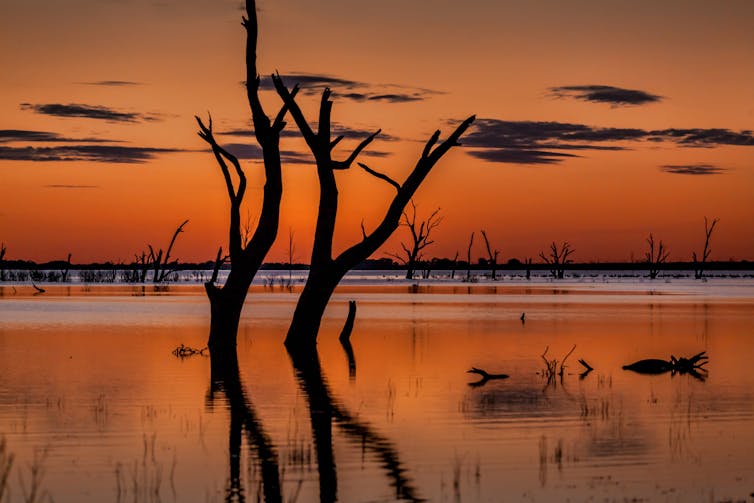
point(95, 407)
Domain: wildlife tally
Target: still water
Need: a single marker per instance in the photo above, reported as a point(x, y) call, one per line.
point(95, 407)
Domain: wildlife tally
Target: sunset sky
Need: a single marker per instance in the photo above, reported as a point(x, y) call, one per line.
point(597, 122)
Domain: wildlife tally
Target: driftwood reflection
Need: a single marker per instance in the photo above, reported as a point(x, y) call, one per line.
point(326, 411)
point(226, 380)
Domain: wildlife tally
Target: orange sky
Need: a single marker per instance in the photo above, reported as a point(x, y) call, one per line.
point(132, 74)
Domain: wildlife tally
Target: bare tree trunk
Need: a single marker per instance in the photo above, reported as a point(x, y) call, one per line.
point(226, 302)
point(325, 271)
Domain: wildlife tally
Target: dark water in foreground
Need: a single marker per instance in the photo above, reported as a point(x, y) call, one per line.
point(92, 396)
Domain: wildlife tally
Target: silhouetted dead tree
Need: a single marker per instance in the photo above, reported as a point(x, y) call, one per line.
point(291, 251)
point(226, 302)
point(492, 256)
point(655, 258)
point(326, 271)
point(161, 265)
point(558, 258)
point(455, 263)
point(64, 277)
point(528, 267)
point(699, 265)
point(419, 238)
point(468, 257)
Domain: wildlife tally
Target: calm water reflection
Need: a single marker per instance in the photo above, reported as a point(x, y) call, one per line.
point(89, 388)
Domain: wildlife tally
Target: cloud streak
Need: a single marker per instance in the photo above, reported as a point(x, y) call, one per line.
point(89, 153)
point(354, 90)
point(254, 152)
point(532, 142)
point(22, 135)
point(615, 96)
point(97, 112)
point(113, 83)
point(336, 129)
point(693, 169)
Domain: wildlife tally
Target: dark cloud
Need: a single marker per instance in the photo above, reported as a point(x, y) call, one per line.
point(531, 142)
point(615, 96)
point(692, 169)
point(91, 153)
point(520, 156)
point(704, 137)
point(353, 90)
point(87, 112)
point(21, 135)
point(336, 130)
point(113, 83)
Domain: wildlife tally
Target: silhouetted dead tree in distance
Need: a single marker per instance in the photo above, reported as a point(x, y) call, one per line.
point(492, 256)
point(699, 266)
point(419, 237)
point(326, 271)
point(227, 301)
point(468, 258)
point(558, 258)
point(162, 266)
point(655, 260)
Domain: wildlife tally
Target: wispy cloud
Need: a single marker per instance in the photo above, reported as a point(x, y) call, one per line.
point(352, 89)
point(336, 129)
point(22, 135)
point(91, 153)
point(254, 152)
point(113, 83)
point(88, 112)
point(615, 96)
point(517, 156)
point(533, 142)
point(692, 169)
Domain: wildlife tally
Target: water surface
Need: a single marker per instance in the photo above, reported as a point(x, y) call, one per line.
point(90, 392)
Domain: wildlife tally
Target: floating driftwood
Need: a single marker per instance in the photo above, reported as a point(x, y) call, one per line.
point(485, 376)
point(187, 351)
point(653, 366)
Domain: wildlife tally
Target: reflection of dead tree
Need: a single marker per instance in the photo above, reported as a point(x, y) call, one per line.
point(699, 266)
point(468, 258)
point(226, 302)
point(419, 237)
point(655, 259)
point(491, 254)
point(558, 258)
point(325, 270)
point(324, 411)
point(225, 379)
